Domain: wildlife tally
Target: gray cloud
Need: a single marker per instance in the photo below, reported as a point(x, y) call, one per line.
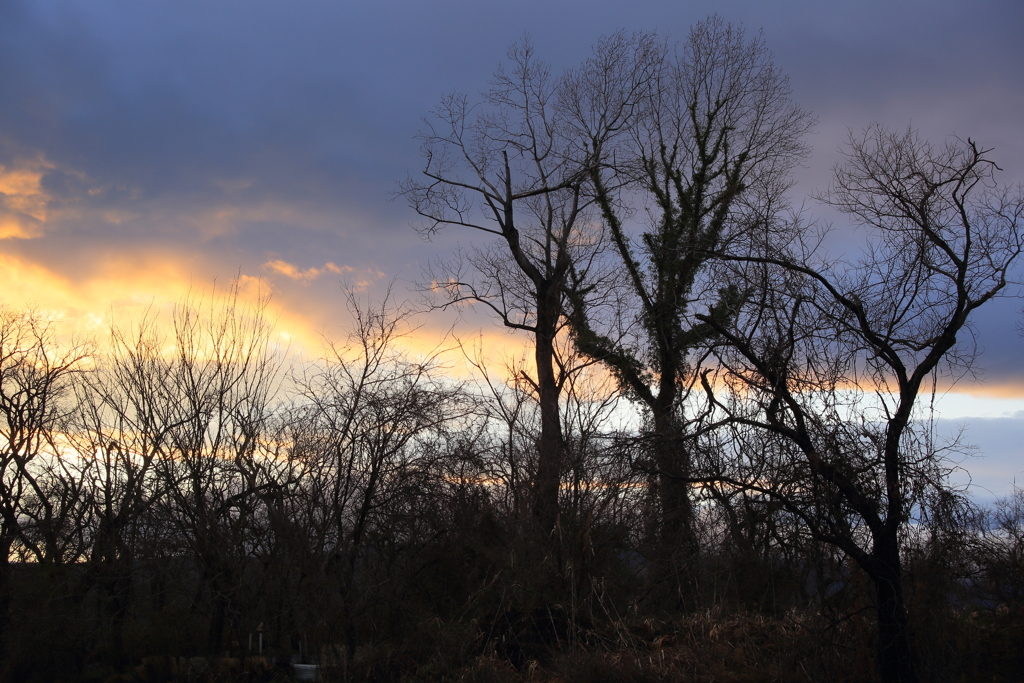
point(997, 464)
point(248, 131)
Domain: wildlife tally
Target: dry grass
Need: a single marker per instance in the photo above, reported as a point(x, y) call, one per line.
point(698, 648)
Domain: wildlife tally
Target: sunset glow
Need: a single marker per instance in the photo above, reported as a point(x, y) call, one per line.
point(130, 177)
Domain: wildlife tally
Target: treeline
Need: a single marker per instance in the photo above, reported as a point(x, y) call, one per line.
point(719, 462)
point(184, 493)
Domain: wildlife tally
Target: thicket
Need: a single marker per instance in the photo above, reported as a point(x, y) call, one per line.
point(717, 465)
point(187, 496)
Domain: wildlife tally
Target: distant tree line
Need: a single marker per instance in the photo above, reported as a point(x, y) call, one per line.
point(179, 491)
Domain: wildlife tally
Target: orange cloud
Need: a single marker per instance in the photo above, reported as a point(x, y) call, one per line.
point(986, 389)
point(23, 202)
point(296, 273)
point(123, 288)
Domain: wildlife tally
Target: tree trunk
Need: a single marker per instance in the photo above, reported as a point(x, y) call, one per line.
point(123, 595)
point(220, 583)
point(679, 543)
point(551, 447)
point(5, 595)
point(217, 620)
point(895, 655)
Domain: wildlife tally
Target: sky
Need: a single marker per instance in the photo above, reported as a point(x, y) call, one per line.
point(152, 146)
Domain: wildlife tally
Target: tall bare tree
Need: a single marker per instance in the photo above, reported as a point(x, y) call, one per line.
point(833, 357)
point(705, 159)
point(511, 167)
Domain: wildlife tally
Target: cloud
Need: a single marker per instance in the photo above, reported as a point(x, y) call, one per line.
point(296, 273)
point(273, 143)
point(991, 458)
point(123, 288)
point(24, 203)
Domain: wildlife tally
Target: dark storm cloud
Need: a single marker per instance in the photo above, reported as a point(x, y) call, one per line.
point(185, 105)
point(168, 97)
point(247, 131)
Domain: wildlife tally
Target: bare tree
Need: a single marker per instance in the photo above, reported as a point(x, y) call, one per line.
point(40, 495)
point(706, 158)
point(118, 425)
point(366, 411)
point(834, 356)
point(199, 406)
point(999, 551)
point(511, 167)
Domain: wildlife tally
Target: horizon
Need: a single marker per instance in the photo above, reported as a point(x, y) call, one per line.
point(150, 151)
